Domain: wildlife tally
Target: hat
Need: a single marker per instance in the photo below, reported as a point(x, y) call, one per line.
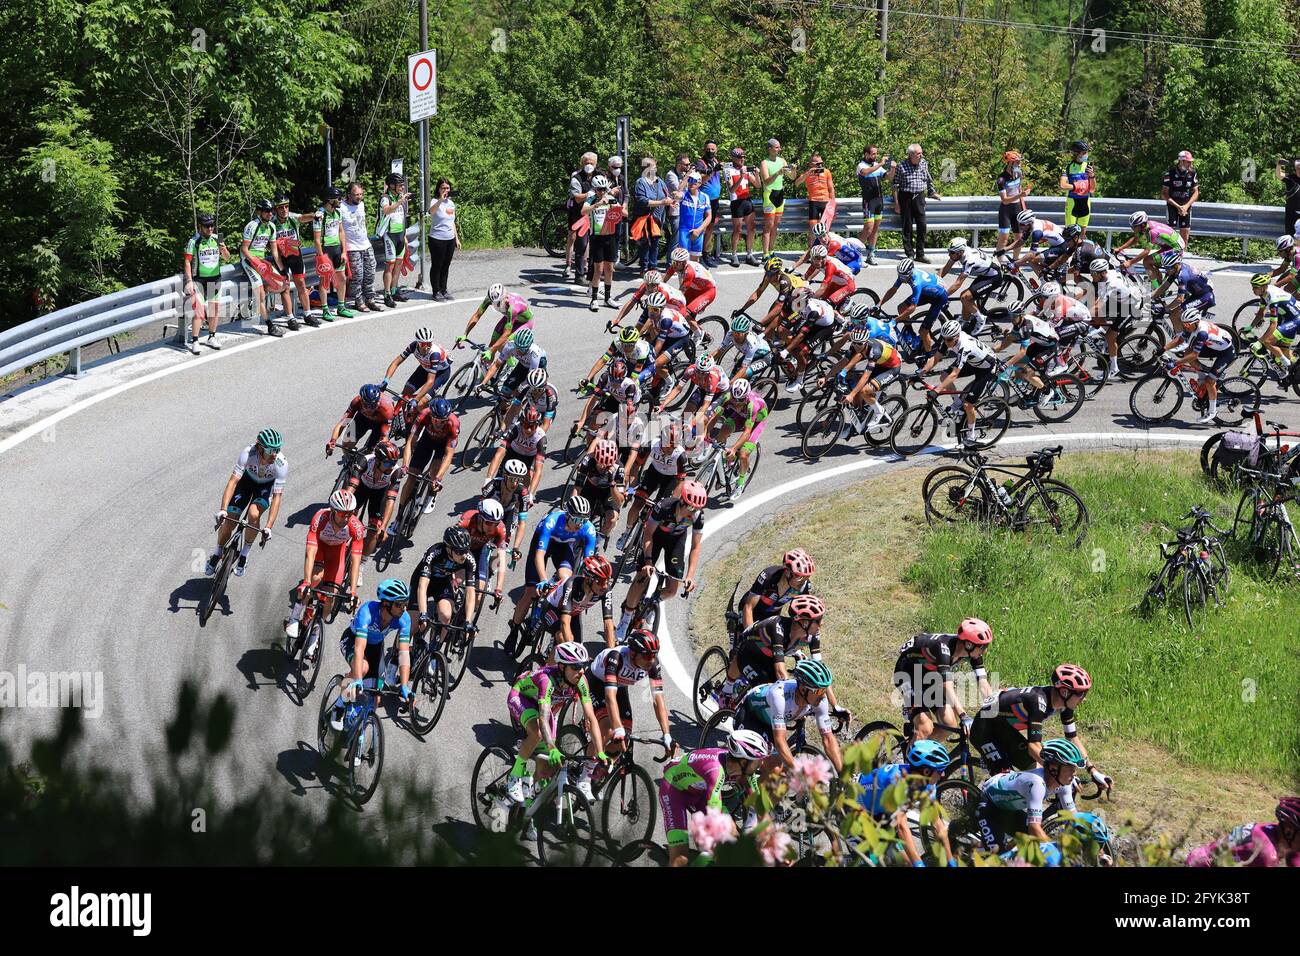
point(1185, 155)
point(693, 176)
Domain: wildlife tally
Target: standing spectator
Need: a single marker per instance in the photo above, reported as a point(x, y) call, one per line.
point(820, 185)
point(650, 202)
point(1012, 191)
point(1291, 190)
point(444, 239)
point(288, 257)
point(696, 213)
point(710, 170)
point(771, 177)
point(1079, 180)
point(912, 184)
point(741, 183)
point(1180, 190)
point(361, 254)
point(575, 246)
point(602, 235)
point(332, 244)
point(676, 182)
point(254, 246)
point(873, 173)
point(201, 268)
point(391, 228)
point(618, 190)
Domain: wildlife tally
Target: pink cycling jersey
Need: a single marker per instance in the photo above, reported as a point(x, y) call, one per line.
point(1251, 844)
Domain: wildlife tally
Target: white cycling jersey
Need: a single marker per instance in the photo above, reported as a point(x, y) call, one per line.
point(250, 462)
point(1026, 791)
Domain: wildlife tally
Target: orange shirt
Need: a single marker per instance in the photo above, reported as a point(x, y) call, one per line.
point(819, 186)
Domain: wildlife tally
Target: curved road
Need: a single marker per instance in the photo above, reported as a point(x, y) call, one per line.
point(107, 518)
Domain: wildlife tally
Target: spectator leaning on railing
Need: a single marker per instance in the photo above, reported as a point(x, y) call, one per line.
point(1180, 190)
point(912, 184)
point(1291, 191)
point(650, 202)
point(201, 268)
point(575, 246)
point(361, 254)
point(444, 239)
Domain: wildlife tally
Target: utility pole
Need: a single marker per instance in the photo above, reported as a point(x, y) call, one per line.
point(422, 282)
point(882, 17)
point(328, 133)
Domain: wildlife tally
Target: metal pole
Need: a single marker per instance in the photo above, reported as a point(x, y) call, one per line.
point(329, 156)
point(423, 281)
point(882, 6)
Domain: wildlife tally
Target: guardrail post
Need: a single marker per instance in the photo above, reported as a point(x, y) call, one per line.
point(1245, 249)
point(975, 238)
point(74, 364)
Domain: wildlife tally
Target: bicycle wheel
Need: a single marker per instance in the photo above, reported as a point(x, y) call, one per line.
point(629, 804)
point(1137, 353)
point(1238, 400)
point(574, 446)
point(488, 788)
point(309, 670)
point(1207, 453)
point(710, 673)
point(956, 497)
point(1092, 370)
point(877, 435)
point(385, 553)
point(716, 329)
point(457, 657)
point(885, 742)
point(1056, 511)
point(479, 449)
point(866, 297)
point(716, 729)
point(1247, 316)
point(365, 759)
point(813, 402)
point(1286, 557)
point(913, 430)
point(430, 692)
point(1006, 295)
point(224, 566)
point(1195, 590)
point(325, 734)
point(822, 433)
point(566, 830)
point(992, 419)
point(959, 801)
point(555, 231)
point(1155, 398)
point(1061, 400)
point(462, 384)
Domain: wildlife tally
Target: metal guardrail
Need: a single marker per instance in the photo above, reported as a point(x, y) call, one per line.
point(71, 328)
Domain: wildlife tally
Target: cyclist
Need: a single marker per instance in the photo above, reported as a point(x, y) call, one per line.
point(1204, 337)
point(334, 533)
point(376, 482)
point(673, 328)
point(776, 586)
point(257, 243)
point(1154, 239)
point(532, 702)
point(525, 442)
point(837, 278)
point(773, 270)
point(255, 485)
point(742, 409)
point(697, 283)
point(446, 568)
point(667, 526)
point(432, 366)
point(817, 324)
point(331, 246)
point(515, 315)
point(881, 361)
point(613, 673)
point(1283, 312)
point(693, 783)
point(1013, 801)
point(510, 488)
point(566, 602)
point(761, 649)
point(926, 289)
point(1008, 730)
point(928, 659)
point(924, 765)
point(982, 270)
point(1034, 231)
point(661, 475)
point(565, 537)
point(601, 479)
point(487, 538)
point(201, 271)
point(1286, 275)
point(433, 438)
point(1115, 298)
point(972, 358)
point(528, 356)
point(1038, 341)
point(652, 281)
point(1070, 317)
point(773, 709)
point(1257, 844)
point(369, 415)
point(852, 252)
point(752, 351)
point(616, 387)
point(703, 380)
point(362, 645)
point(630, 346)
point(536, 392)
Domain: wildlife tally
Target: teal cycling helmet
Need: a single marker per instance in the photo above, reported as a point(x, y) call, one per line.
point(928, 755)
point(523, 339)
point(1090, 826)
point(270, 439)
point(741, 323)
point(810, 673)
point(1061, 751)
point(394, 589)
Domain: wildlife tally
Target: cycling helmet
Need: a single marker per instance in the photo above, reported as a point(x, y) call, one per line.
point(1090, 826)
point(1079, 146)
point(1259, 280)
point(773, 264)
point(1071, 677)
point(655, 300)
point(643, 642)
point(264, 205)
point(1285, 243)
point(577, 507)
point(282, 200)
point(571, 654)
point(496, 292)
point(801, 298)
point(680, 255)
point(1051, 854)
point(820, 230)
point(629, 336)
point(739, 389)
point(440, 408)
point(1288, 812)
point(1025, 217)
point(906, 267)
point(748, 745)
point(333, 194)
point(950, 329)
point(395, 590)
point(516, 468)
point(606, 453)
point(811, 673)
point(618, 369)
point(491, 509)
point(537, 378)
point(652, 278)
point(1072, 231)
point(388, 451)
point(424, 336)
point(818, 252)
point(370, 394)
point(705, 363)
point(957, 246)
point(1171, 259)
point(975, 631)
point(858, 311)
point(808, 605)
point(531, 416)
point(860, 336)
point(1138, 219)
point(694, 495)
point(343, 500)
point(1099, 266)
point(599, 182)
point(457, 539)
point(207, 219)
point(523, 339)
point(799, 563)
point(1050, 289)
point(928, 755)
point(597, 568)
point(1061, 751)
point(741, 323)
point(270, 439)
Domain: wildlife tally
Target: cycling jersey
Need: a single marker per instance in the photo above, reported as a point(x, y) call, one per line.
point(977, 265)
point(673, 324)
point(834, 272)
point(512, 306)
point(327, 224)
point(772, 638)
point(1063, 310)
point(324, 533)
point(1160, 237)
point(754, 347)
point(367, 624)
point(259, 236)
point(696, 280)
point(712, 381)
point(664, 517)
point(1208, 337)
point(382, 414)
point(555, 529)
point(435, 360)
point(547, 686)
point(390, 222)
point(574, 595)
point(444, 431)
point(738, 183)
point(1193, 284)
point(620, 390)
point(250, 463)
point(925, 286)
point(208, 253)
point(524, 444)
point(877, 786)
point(591, 475)
point(879, 353)
point(1280, 305)
point(1025, 709)
point(1034, 331)
point(971, 353)
point(774, 705)
point(532, 357)
point(1027, 792)
point(701, 772)
point(546, 400)
point(614, 666)
point(439, 563)
point(1041, 230)
point(376, 478)
point(934, 652)
point(771, 596)
point(668, 460)
point(482, 530)
point(752, 411)
point(819, 313)
point(1251, 844)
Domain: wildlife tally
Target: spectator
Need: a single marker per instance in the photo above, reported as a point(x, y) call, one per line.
point(444, 239)
point(695, 216)
point(361, 254)
point(618, 190)
point(1291, 190)
point(1011, 191)
point(391, 228)
point(771, 176)
point(575, 246)
point(710, 171)
point(820, 185)
point(602, 235)
point(912, 184)
point(650, 202)
point(676, 183)
point(256, 243)
point(332, 244)
point(741, 182)
point(288, 258)
point(1180, 190)
point(873, 173)
point(201, 269)
point(1079, 180)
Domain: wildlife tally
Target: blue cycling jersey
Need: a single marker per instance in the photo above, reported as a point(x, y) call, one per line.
point(1193, 284)
point(926, 287)
point(851, 257)
point(555, 529)
point(366, 622)
point(878, 782)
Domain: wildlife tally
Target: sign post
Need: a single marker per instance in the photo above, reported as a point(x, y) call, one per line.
point(422, 97)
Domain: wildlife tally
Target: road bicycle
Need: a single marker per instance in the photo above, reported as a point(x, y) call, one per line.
point(719, 472)
point(840, 422)
point(1194, 566)
point(1224, 454)
point(888, 746)
point(225, 563)
point(626, 798)
point(359, 747)
point(467, 381)
point(304, 670)
point(1029, 501)
point(1156, 398)
point(1057, 401)
point(916, 426)
point(1260, 366)
point(484, 439)
point(351, 460)
point(1264, 524)
point(553, 234)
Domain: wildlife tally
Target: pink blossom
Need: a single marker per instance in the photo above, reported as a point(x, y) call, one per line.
point(710, 828)
point(774, 845)
point(810, 773)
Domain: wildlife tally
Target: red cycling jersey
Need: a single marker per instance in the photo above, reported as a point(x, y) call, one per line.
point(382, 415)
point(332, 542)
point(481, 530)
point(443, 431)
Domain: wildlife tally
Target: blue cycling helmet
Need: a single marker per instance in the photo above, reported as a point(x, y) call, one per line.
point(440, 408)
point(1171, 258)
point(1090, 826)
point(1051, 854)
point(394, 589)
point(928, 755)
point(370, 394)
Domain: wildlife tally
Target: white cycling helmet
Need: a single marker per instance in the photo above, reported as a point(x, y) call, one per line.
point(957, 246)
point(704, 363)
point(819, 252)
point(516, 468)
point(572, 654)
point(424, 336)
point(905, 267)
point(1138, 218)
point(680, 254)
point(491, 509)
point(1026, 217)
point(343, 500)
point(653, 278)
point(655, 300)
point(1050, 289)
point(496, 292)
point(860, 336)
point(1285, 243)
point(599, 182)
point(739, 388)
point(1098, 266)
point(950, 329)
point(537, 378)
point(747, 745)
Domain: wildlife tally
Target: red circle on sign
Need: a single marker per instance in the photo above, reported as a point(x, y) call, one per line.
point(415, 74)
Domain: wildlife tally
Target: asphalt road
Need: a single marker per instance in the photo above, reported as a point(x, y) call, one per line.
point(107, 519)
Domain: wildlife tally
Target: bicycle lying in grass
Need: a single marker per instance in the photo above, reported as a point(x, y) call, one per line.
point(1030, 501)
point(1195, 567)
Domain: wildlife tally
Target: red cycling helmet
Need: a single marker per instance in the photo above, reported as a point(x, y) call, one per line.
point(809, 606)
point(1288, 812)
point(606, 453)
point(597, 568)
point(976, 632)
point(799, 563)
point(387, 450)
point(1071, 677)
point(643, 642)
point(694, 495)
point(532, 416)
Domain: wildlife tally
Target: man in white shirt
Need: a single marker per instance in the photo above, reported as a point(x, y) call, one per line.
point(361, 254)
